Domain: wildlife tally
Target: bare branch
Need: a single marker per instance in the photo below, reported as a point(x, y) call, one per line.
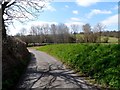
point(10, 4)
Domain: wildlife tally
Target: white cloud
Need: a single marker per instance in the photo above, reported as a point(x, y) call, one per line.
point(97, 11)
point(17, 26)
point(75, 12)
point(66, 6)
point(115, 7)
point(77, 23)
point(49, 7)
point(113, 20)
point(74, 19)
point(36, 23)
point(86, 3)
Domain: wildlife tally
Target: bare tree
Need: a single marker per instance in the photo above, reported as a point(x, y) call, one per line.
point(87, 31)
point(63, 32)
point(45, 28)
point(53, 30)
point(21, 10)
point(40, 32)
point(87, 28)
point(33, 30)
point(99, 28)
point(23, 31)
point(75, 29)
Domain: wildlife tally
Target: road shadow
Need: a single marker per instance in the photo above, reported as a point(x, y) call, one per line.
point(51, 76)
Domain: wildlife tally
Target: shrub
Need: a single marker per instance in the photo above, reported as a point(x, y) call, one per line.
point(105, 39)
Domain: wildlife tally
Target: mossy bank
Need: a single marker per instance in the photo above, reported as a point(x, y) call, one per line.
point(15, 58)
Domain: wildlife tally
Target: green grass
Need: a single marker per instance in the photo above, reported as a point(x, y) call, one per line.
point(111, 39)
point(99, 61)
point(79, 35)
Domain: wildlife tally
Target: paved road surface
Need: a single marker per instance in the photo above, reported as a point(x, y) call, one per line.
point(44, 71)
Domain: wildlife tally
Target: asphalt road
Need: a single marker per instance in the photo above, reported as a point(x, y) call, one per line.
point(44, 71)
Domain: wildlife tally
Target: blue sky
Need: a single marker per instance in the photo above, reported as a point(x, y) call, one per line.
point(77, 12)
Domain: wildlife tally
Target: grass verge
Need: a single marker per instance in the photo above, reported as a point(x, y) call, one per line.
point(99, 61)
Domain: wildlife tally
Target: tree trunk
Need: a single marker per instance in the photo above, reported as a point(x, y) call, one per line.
point(3, 29)
point(3, 23)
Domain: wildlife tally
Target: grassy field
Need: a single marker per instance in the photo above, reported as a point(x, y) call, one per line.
point(110, 39)
point(113, 40)
point(99, 61)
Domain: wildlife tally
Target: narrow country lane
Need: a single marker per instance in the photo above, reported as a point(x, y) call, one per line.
point(44, 71)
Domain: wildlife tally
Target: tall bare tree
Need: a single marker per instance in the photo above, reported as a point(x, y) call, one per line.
point(45, 28)
point(53, 30)
point(63, 32)
point(33, 30)
point(21, 10)
point(99, 28)
point(23, 31)
point(87, 31)
point(75, 29)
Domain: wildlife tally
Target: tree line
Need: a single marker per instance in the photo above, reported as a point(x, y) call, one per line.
point(61, 33)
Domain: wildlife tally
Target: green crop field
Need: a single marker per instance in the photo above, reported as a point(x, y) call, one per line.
point(110, 39)
point(99, 61)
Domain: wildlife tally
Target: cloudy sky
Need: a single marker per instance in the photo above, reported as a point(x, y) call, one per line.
point(75, 12)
